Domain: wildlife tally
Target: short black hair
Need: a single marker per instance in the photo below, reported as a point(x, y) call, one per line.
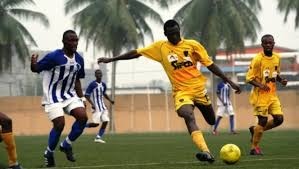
point(266, 36)
point(97, 70)
point(170, 23)
point(66, 32)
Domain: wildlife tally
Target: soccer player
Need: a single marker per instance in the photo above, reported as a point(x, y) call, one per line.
point(6, 135)
point(224, 106)
point(62, 70)
point(95, 93)
point(179, 58)
point(263, 73)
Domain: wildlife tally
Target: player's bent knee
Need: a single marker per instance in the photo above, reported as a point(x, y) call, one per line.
point(278, 120)
point(262, 121)
point(211, 121)
point(6, 124)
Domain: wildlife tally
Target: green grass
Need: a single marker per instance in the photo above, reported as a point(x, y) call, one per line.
point(161, 151)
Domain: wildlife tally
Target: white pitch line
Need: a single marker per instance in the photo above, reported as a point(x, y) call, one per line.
point(162, 163)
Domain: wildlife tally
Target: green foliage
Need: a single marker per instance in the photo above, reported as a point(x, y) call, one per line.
point(14, 37)
point(113, 25)
point(218, 23)
point(161, 150)
point(288, 6)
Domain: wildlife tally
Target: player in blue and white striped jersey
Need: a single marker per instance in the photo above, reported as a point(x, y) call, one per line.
point(95, 94)
point(62, 93)
point(224, 106)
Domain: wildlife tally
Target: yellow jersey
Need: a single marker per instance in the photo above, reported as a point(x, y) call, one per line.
point(180, 62)
point(264, 70)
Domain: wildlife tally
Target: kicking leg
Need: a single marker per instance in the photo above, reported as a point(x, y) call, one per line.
point(186, 112)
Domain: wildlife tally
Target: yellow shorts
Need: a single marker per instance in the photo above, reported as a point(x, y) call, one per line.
point(273, 108)
point(190, 97)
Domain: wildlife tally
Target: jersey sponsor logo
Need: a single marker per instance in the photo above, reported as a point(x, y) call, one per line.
point(270, 77)
point(176, 64)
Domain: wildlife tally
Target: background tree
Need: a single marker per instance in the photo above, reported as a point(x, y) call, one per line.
point(114, 25)
point(288, 6)
point(218, 23)
point(14, 37)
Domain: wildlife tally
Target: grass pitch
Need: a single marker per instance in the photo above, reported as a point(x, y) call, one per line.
point(161, 151)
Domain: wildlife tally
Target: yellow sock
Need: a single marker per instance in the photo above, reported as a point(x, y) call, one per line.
point(199, 141)
point(269, 125)
point(9, 141)
point(257, 136)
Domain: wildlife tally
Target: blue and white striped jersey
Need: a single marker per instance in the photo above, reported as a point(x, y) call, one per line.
point(223, 91)
point(59, 75)
point(96, 92)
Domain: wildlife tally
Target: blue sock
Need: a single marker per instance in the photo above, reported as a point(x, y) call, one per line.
point(232, 123)
point(53, 139)
point(101, 132)
point(77, 130)
point(217, 122)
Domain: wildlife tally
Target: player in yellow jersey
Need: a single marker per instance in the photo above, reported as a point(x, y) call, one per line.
point(7, 137)
point(263, 73)
point(179, 58)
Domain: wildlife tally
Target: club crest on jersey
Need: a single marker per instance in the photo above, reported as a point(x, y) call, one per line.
point(173, 59)
point(266, 73)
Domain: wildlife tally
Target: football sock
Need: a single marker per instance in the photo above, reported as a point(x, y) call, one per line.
point(66, 143)
point(257, 136)
point(199, 141)
point(232, 122)
point(217, 122)
point(9, 141)
point(269, 125)
point(101, 132)
point(77, 130)
point(53, 139)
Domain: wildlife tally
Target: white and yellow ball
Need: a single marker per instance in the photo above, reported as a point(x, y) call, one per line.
point(230, 153)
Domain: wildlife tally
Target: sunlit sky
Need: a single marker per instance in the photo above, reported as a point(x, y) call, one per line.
point(50, 38)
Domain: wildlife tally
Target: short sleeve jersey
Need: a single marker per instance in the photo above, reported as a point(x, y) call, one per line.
point(59, 75)
point(180, 62)
point(264, 70)
point(223, 91)
point(96, 93)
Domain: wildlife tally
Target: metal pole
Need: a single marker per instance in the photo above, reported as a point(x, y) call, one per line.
point(167, 110)
point(149, 108)
point(112, 122)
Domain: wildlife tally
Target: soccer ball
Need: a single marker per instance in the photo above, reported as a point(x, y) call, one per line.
point(230, 153)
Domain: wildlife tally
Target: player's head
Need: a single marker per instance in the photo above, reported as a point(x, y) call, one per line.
point(70, 40)
point(268, 44)
point(172, 31)
point(98, 74)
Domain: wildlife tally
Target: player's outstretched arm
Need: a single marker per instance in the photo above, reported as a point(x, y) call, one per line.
point(126, 56)
point(217, 71)
point(34, 63)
